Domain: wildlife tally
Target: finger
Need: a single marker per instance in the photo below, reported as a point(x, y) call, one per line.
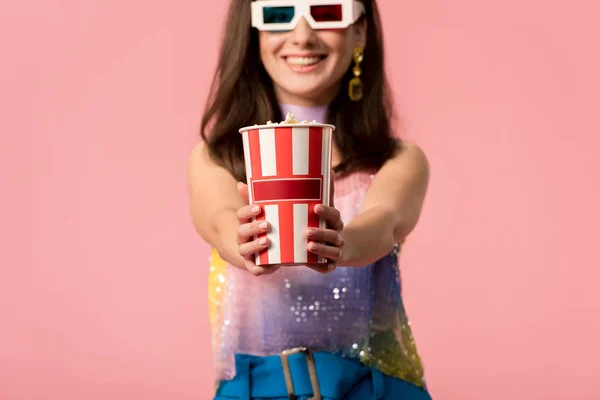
point(323, 268)
point(325, 235)
point(248, 249)
point(258, 270)
point(247, 231)
point(332, 215)
point(243, 191)
point(246, 213)
point(329, 252)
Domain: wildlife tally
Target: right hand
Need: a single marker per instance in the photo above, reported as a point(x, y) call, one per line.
point(247, 229)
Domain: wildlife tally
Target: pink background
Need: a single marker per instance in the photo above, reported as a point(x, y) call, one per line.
point(103, 280)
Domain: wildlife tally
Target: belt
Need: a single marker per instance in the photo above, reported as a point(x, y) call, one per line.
point(301, 373)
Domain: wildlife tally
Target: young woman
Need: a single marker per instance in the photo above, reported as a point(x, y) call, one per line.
point(333, 332)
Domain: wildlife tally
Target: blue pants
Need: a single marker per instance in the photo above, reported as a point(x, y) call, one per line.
point(262, 378)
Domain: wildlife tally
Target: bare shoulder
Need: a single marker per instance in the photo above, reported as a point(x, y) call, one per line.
point(212, 189)
point(400, 186)
point(198, 157)
point(409, 159)
point(412, 152)
point(202, 168)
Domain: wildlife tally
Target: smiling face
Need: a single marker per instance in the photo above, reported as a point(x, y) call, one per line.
point(307, 65)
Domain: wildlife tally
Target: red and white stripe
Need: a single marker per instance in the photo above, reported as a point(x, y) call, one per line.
point(288, 171)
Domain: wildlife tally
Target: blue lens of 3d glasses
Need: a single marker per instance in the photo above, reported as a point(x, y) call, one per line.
point(278, 15)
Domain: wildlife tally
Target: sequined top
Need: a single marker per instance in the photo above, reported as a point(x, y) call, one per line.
point(355, 312)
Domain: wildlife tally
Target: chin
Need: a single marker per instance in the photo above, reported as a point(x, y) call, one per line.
point(306, 93)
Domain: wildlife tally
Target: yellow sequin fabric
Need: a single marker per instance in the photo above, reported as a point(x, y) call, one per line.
point(354, 312)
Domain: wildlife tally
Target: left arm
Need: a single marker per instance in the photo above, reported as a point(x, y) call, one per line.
point(390, 212)
point(391, 208)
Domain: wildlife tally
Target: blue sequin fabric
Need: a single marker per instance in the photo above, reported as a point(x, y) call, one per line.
point(354, 312)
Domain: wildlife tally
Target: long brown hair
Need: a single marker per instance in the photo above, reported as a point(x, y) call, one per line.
point(242, 95)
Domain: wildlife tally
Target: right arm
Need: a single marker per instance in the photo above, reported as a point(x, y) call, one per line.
point(220, 214)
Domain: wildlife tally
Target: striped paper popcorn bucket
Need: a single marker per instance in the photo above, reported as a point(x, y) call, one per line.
point(288, 173)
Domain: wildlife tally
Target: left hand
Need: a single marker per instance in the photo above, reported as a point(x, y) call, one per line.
point(330, 238)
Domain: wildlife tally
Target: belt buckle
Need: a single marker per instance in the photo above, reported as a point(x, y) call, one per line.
point(312, 372)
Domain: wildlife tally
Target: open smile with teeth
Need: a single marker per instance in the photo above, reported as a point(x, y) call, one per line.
point(304, 61)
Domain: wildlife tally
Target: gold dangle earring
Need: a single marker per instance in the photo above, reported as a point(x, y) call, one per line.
point(355, 88)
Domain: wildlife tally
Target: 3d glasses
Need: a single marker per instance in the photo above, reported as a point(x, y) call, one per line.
point(283, 15)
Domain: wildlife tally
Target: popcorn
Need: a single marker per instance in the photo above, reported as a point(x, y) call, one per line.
point(289, 120)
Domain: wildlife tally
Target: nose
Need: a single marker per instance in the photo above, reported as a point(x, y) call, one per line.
point(303, 34)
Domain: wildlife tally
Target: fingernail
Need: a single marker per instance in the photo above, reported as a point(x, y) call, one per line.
point(310, 232)
point(262, 241)
point(319, 209)
point(263, 225)
point(312, 246)
point(255, 209)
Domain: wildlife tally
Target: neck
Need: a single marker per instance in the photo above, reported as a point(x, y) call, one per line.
point(305, 113)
